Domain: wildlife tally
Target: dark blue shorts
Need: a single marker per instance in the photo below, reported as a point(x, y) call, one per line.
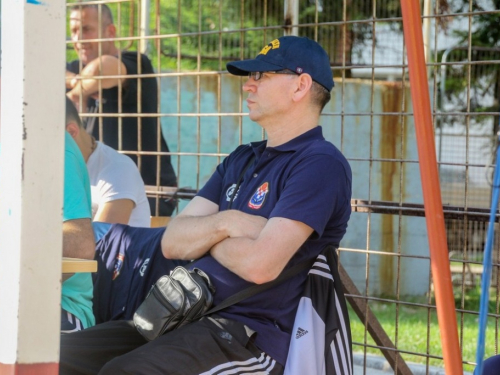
point(130, 261)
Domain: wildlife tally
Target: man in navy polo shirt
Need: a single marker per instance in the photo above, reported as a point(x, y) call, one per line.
point(268, 206)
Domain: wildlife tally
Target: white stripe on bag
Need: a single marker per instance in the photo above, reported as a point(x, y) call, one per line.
point(264, 363)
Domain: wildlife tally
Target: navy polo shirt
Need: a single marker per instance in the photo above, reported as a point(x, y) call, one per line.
point(306, 179)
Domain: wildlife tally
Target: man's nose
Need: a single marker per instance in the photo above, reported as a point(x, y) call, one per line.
point(249, 85)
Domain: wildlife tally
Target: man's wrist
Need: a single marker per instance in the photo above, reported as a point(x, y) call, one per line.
point(77, 97)
point(74, 81)
point(222, 218)
point(78, 85)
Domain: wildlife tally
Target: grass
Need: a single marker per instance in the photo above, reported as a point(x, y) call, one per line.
point(418, 331)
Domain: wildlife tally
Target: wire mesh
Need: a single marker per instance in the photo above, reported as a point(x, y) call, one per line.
point(202, 116)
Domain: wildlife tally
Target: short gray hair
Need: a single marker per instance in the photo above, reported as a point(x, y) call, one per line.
point(320, 95)
point(105, 11)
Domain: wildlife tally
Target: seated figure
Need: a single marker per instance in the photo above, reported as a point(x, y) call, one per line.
point(118, 192)
point(269, 206)
point(78, 240)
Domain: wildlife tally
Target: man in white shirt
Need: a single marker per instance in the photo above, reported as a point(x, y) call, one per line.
point(118, 192)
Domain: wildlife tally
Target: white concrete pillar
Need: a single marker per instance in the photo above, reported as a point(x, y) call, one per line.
point(31, 184)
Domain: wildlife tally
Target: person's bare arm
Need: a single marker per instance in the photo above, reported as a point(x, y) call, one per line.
point(69, 79)
point(262, 259)
point(200, 226)
point(84, 84)
point(117, 211)
point(78, 239)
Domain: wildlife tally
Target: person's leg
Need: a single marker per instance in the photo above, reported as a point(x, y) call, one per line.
point(86, 352)
point(202, 347)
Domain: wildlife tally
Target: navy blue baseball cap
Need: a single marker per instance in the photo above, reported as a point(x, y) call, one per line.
point(298, 54)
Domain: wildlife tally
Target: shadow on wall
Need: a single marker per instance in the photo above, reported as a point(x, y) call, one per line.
point(382, 138)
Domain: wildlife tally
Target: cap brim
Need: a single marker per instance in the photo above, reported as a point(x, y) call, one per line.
point(242, 68)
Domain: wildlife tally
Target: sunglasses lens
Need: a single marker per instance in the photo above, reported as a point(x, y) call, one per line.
point(255, 75)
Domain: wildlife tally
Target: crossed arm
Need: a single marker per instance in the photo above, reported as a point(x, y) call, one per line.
point(254, 248)
point(85, 84)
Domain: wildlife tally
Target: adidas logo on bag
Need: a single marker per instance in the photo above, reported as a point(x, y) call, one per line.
point(300, 332)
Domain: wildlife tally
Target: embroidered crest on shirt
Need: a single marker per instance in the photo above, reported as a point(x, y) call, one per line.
point(230, 192)
point(259, 196)
point(118, 265)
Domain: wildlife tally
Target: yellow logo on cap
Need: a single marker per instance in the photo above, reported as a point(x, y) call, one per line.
point(273, 45)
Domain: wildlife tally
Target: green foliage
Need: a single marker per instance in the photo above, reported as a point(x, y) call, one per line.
point(206, 37)
point(471, 299)
point(205, 34)
point(481, 46)
point(487, 32)
point(416, 330)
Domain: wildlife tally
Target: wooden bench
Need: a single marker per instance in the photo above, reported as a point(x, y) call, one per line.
point(70, 266)
point(159, 221)
point(75, 265)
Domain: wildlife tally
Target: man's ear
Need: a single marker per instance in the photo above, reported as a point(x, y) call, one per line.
point(111, 30)
point(73, 129)
point(304, 83)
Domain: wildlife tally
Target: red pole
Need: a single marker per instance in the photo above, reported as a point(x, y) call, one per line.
point(440, 263)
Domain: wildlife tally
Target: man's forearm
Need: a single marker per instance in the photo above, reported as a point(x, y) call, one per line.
point(247, 258)
point(235, 254)
point(261, 259)
point(191, 237)
point(85, 83)
point(78, 239)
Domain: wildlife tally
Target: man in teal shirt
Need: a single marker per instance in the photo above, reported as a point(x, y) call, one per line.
point(78, 235)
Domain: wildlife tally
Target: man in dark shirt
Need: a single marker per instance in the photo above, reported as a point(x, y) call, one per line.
point(125, 99)
point(269, 206)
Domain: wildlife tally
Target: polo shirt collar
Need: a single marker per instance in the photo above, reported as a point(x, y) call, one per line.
point(315, 134)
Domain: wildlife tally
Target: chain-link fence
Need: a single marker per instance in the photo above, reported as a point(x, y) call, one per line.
point(385, 252)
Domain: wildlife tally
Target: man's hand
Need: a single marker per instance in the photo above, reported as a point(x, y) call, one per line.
point(86, 84)
point(240, 224)
point(80, 101)
point(74, 94)
point(70, 79)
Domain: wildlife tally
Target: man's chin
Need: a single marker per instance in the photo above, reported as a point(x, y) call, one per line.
point(254, 117)
point(85, 58)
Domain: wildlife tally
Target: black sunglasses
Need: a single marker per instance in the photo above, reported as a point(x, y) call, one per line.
point(258, 75)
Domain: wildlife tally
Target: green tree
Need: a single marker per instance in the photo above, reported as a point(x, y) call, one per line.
point(478, 54)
